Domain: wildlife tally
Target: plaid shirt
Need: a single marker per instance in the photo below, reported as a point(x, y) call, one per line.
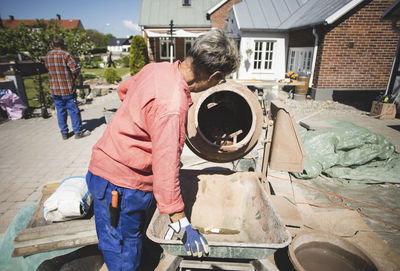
point(62, 71)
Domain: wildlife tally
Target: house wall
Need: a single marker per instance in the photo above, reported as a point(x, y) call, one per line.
point(118, 49)
point(301, 38)
point(247, 41)
point(155, 49)
point(180, 49)
point(246, 70)
point(357, 53)
point(219, 16)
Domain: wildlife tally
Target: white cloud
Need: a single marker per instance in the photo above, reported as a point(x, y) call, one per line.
point(135, 28)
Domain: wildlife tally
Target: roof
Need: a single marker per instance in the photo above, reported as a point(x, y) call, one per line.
point(118, 42)
point(68, 24)
point(159, 13)
point(180, 33)
point(289, 14)
point(393, 12)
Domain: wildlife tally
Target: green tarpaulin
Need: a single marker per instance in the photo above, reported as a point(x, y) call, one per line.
point(350, 153)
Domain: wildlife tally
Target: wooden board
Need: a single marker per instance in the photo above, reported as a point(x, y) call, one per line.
point(37, 218)
point(42, 236)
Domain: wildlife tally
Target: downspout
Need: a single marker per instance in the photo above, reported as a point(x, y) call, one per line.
point(314, 60)
point(396, 60)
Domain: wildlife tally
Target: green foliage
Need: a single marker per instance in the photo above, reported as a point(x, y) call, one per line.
point(98, 50)
point(34, 40)
point(138, 56)
point(122, 62)
point(92, 63)
point(111, 75)
point(99, 40)
point(89, 75)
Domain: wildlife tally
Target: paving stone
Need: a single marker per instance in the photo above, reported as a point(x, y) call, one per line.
point(6, 219)
point(5, 206)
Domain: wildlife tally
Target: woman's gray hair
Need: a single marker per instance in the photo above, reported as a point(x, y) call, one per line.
point(214, 51)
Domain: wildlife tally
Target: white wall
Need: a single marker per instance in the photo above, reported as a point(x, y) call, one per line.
point(278, 70)
point(118, 49)
point(247, 41)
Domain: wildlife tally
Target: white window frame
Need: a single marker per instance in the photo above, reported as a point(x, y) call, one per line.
point(168, 42)
point(263, 55)
point(188, 40)
point(300, 60)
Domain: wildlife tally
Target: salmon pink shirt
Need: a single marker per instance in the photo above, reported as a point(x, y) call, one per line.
point(142, 144)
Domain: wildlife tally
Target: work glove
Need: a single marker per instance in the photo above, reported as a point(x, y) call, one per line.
point(194, 242)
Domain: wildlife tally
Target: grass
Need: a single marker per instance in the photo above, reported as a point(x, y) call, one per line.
point(31, 84)
point(99, 72)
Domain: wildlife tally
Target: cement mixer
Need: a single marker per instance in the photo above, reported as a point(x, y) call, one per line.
point(224, 122)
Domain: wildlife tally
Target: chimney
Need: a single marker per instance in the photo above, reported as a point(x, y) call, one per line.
point(11, 18)
point(58, 17)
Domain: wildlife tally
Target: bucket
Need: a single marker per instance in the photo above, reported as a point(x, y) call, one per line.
point(302, 89)
point(317, 250)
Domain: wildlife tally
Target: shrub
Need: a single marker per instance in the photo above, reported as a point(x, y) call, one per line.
point(122, 62)
point(92, 63)
point(138, 56)
point(125, 61)
point(111, 75)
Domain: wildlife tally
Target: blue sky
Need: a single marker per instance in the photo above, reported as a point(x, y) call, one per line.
point(118, 17)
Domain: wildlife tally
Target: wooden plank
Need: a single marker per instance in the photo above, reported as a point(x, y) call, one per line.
point(168, 263)
point(264, 265)
point(216, 265)
point(45, 244)
point(287, 211)
point(267, 148)
point(61, 228)
point(42, 236)
point(37, 218)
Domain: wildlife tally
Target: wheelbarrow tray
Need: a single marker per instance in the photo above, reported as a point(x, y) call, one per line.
point(233, 212)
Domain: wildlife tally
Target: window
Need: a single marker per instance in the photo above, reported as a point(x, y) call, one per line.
point(188, 44)
point(263, 55)
point(186, 2)
point(165, 48)
point(300, 59)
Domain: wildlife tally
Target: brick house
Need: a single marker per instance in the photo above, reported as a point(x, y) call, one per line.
point(340, 45)
point(11, 22)
point(190, 19)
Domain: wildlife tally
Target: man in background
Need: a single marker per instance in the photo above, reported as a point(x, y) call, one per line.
point(62, 73)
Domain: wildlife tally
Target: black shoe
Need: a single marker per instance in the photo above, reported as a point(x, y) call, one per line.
point(81, 135)
point(64, 136)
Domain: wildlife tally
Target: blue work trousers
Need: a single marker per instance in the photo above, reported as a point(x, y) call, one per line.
point(121, 246)
point(64, 103)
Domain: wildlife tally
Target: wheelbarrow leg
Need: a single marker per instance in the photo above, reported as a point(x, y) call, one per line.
point(169, 263)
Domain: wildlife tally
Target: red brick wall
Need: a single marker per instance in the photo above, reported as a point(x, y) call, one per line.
point(180, 49)
point(219, 16)
point(358, 52)
point(154, 52)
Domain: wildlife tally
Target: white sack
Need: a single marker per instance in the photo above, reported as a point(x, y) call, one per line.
point(70, 200)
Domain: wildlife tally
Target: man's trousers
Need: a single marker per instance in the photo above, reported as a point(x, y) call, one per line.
point(121, 246)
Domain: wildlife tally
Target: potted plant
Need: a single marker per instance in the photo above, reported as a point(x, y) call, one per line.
point(249, 52)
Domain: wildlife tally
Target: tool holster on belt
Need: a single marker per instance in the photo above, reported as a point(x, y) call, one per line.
point(114, 209)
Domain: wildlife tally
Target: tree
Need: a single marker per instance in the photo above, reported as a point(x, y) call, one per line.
point(99, 39)
point(34, 40)
point(138, 56)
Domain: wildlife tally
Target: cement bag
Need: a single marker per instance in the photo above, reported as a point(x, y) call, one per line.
point(70, 200)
